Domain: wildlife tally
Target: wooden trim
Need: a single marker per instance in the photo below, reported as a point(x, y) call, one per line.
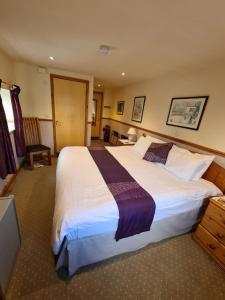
point(9, 182)
point(45, 120)
point(101, 110)
point(7, 185)
point(69, 78)
point(53, 111)
point(86, 110)
point(207, 149)
point(52, 76)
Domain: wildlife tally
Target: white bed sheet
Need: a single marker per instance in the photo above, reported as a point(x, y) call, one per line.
point(85, 207)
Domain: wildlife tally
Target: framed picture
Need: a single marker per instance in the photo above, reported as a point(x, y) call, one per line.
point(138, 108)
point(120, 107)
point(187, 112)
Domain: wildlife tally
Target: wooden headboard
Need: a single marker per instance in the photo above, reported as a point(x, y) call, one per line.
point(216, 174)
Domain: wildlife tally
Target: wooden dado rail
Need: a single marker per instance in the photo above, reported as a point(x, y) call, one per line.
point(214, 151)
point(46, 120)
point(51, 120)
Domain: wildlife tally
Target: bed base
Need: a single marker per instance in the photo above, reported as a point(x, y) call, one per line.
point(89, 250)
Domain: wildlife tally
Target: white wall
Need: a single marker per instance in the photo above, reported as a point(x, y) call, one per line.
point(158, 92)
point(108, 101)
point(35, 96)
point(6, 67)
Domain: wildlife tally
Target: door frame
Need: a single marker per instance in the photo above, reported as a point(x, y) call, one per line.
point(101, 110)
point(52, 77)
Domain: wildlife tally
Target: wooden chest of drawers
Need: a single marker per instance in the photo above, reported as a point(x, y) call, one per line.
point(210, 233)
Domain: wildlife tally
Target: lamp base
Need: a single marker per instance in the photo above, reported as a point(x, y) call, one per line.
point(132, 138)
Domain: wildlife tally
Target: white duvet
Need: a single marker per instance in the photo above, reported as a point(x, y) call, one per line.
point(84, 206)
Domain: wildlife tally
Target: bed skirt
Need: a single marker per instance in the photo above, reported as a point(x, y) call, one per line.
point(85, 251)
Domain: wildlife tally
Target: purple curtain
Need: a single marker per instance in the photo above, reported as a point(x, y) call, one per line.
point(7, 160)
point(18, 134)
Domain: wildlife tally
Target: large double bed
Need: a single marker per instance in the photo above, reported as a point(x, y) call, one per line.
point(86, 214)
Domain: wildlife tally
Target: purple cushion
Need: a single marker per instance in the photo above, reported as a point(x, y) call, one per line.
point(158, 152)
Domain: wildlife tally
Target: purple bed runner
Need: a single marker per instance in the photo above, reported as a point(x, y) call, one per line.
point(136, 206)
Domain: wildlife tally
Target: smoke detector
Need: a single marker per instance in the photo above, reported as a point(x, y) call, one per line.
point(104, 50)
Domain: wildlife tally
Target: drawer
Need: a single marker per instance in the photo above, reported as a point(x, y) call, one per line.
point(216, 213)
point(213, 227)
point(207, 240)
point(220, 254)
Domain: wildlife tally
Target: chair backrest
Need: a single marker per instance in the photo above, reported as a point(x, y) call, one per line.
point(32, 132)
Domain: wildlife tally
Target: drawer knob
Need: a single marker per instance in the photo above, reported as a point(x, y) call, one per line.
point(212, 247)
point(219, 235)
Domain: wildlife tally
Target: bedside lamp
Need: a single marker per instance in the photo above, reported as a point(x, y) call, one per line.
point(132, 135)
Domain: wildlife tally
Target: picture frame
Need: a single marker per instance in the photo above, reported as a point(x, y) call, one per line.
point(138, 108)
point(187, 112)
point(120, 107)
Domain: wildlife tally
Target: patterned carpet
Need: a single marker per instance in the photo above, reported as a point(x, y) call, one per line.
point(172, 269)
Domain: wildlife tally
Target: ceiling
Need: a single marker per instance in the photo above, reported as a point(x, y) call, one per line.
point(148, 38)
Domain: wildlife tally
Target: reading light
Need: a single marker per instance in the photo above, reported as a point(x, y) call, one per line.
point(123, 74)
point(132, 134)
point(51, 57)
point(99, 85)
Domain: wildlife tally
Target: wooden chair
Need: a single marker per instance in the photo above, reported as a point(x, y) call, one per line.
point(34, 147)
point(114, 138)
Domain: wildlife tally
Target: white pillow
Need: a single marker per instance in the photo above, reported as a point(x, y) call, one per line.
point(143, 144)
point(208, 159)
point(154, 140)
point(186, 165)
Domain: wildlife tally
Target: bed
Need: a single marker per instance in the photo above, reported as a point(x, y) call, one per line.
point(86, 214)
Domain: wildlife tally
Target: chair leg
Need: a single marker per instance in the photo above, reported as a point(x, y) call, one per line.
point(49, 158)
point(31, 159)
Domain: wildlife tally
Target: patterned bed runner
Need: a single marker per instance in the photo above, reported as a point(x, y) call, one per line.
point(136, 206)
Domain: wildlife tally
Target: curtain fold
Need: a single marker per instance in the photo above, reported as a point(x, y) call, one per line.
point(7, 159)
point(17, 112)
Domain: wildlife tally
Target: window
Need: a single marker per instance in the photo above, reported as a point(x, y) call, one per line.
point(7, 104)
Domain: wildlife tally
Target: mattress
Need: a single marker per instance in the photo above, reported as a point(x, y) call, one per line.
point(84, 206)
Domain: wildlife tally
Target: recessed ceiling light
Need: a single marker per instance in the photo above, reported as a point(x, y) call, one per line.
point(104, 49)
point(123, 74)
point(51, 57)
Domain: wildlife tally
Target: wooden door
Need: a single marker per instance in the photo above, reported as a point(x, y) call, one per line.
point(69, 105)
point(96, 114)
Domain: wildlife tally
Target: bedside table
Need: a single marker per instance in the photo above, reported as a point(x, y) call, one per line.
point(210, 233)
point(125, 142)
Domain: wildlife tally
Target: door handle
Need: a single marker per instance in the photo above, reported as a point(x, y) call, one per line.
point(57, 123)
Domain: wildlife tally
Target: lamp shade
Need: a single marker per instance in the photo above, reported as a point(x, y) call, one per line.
point(131, 131)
